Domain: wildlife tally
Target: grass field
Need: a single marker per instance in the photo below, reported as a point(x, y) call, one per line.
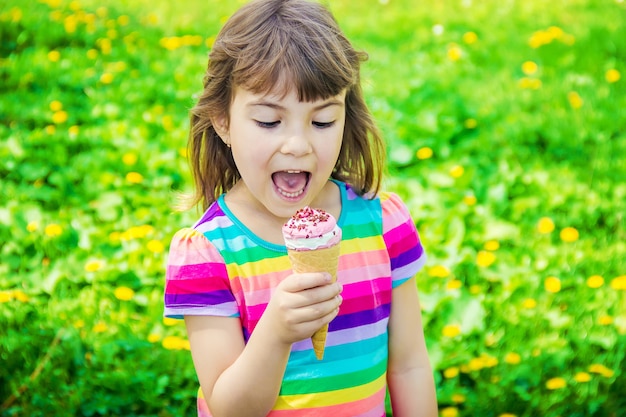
point(506, 131)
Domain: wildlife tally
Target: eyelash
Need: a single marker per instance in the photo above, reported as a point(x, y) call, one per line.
point(270, 125)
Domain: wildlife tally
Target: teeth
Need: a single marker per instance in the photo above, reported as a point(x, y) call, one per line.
point(290, 195)
point(291, 171)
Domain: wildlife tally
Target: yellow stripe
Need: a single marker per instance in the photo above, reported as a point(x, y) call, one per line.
point(253, 268)
point(330, 398)
point(357, 245)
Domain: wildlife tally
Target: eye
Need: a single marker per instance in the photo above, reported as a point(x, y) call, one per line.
point(267, 125)
point(323, 125)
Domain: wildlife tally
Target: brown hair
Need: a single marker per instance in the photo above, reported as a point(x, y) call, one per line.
point(276, 45)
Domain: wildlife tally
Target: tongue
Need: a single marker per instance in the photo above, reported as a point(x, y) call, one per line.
point(290, 181)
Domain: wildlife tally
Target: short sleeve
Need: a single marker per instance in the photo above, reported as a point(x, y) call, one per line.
point(405, 249)
point(196, 280)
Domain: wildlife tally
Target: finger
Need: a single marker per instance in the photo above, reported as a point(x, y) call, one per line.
point(315, 312)
point(300, 282)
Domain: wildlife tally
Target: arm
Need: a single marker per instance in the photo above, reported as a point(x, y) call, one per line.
point(239, 379)
point(410, 377)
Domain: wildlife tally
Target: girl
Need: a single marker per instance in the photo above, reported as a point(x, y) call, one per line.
point(282, 124)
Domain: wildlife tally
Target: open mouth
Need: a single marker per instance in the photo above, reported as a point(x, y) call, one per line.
point(292, 183)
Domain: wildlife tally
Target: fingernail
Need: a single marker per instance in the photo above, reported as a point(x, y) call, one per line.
point(327, 277)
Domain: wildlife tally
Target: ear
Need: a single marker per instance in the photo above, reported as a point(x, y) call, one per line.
point(220, 124)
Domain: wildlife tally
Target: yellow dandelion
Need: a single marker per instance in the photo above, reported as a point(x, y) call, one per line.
point(556, 383)
point(569, 234)
point(545, 225)
point(484, 259)
point(210, 41)
point(152, 19)
point(53, 230)
point(114, 236)
point(32, 226)
point(124, 293)
point(512, 358)
point(575, 100)
point(56, 105)
point(612, 75)
point(73, 130)
point(153, 338)
point(552, 284)
point(134, 177)
point(129, 158)
point(529, 67)
point(168, 321)
point(470, 123)
point(438, 271)
point(605, 320)
point(595, 281)
point(93, 265)
point(458, 398)
point(16, 14)
point(492, 245)
point(79, 324)
point(182, 152)
point(155, 246)
point(6, 296)
point(54, 56)
point(451, 330)
point(123, 20)
point(540, 38)
point(451, 372)
point(92, 54)
point(529, 83)
point(469, 199)
point(175, 343)
point(59, 117)
point(70, 24)
point(106, 78)
point(507, 415)
point(475, 364)
point(619, 283)
point(455, 284)
point(100, 327)
point(488, 360)
point(454, 52)
point(20, 296)
point(105, 45)
point(449, 412)
point(600, 369)
point(50, 129)
point(470, 38)
point(424, 153)
point(475, 289)
point(582, 377)
point(457, 171)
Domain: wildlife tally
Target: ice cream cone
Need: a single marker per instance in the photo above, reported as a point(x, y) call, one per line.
point(318, 260)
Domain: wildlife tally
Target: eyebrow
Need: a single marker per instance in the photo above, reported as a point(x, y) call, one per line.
point(276, 106)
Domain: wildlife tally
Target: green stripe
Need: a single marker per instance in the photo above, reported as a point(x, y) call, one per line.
point(332, 383)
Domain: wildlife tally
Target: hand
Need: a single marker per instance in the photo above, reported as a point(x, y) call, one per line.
point(301, 304)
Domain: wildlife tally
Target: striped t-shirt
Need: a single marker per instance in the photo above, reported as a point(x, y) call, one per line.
point(220, 268)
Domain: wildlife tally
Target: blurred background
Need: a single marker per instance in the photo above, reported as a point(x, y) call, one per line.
point(506, 131)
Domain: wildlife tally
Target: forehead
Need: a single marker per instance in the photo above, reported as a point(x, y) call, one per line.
point(282, 98)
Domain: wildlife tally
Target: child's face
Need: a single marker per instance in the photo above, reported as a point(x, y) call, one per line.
point(285, 149)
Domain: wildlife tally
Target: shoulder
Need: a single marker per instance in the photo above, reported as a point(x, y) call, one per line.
point(394, 211)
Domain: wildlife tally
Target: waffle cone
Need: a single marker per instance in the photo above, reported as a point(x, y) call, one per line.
point(318, 260)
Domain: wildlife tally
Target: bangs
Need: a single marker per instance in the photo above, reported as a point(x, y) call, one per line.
point(314, 60)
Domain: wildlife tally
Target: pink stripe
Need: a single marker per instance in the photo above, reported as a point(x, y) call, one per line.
point(401, 239)
point(372, 406)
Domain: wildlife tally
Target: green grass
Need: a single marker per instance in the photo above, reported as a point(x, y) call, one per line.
point(482, 145)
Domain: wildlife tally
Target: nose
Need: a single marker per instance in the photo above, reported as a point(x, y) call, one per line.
point(296, 143)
